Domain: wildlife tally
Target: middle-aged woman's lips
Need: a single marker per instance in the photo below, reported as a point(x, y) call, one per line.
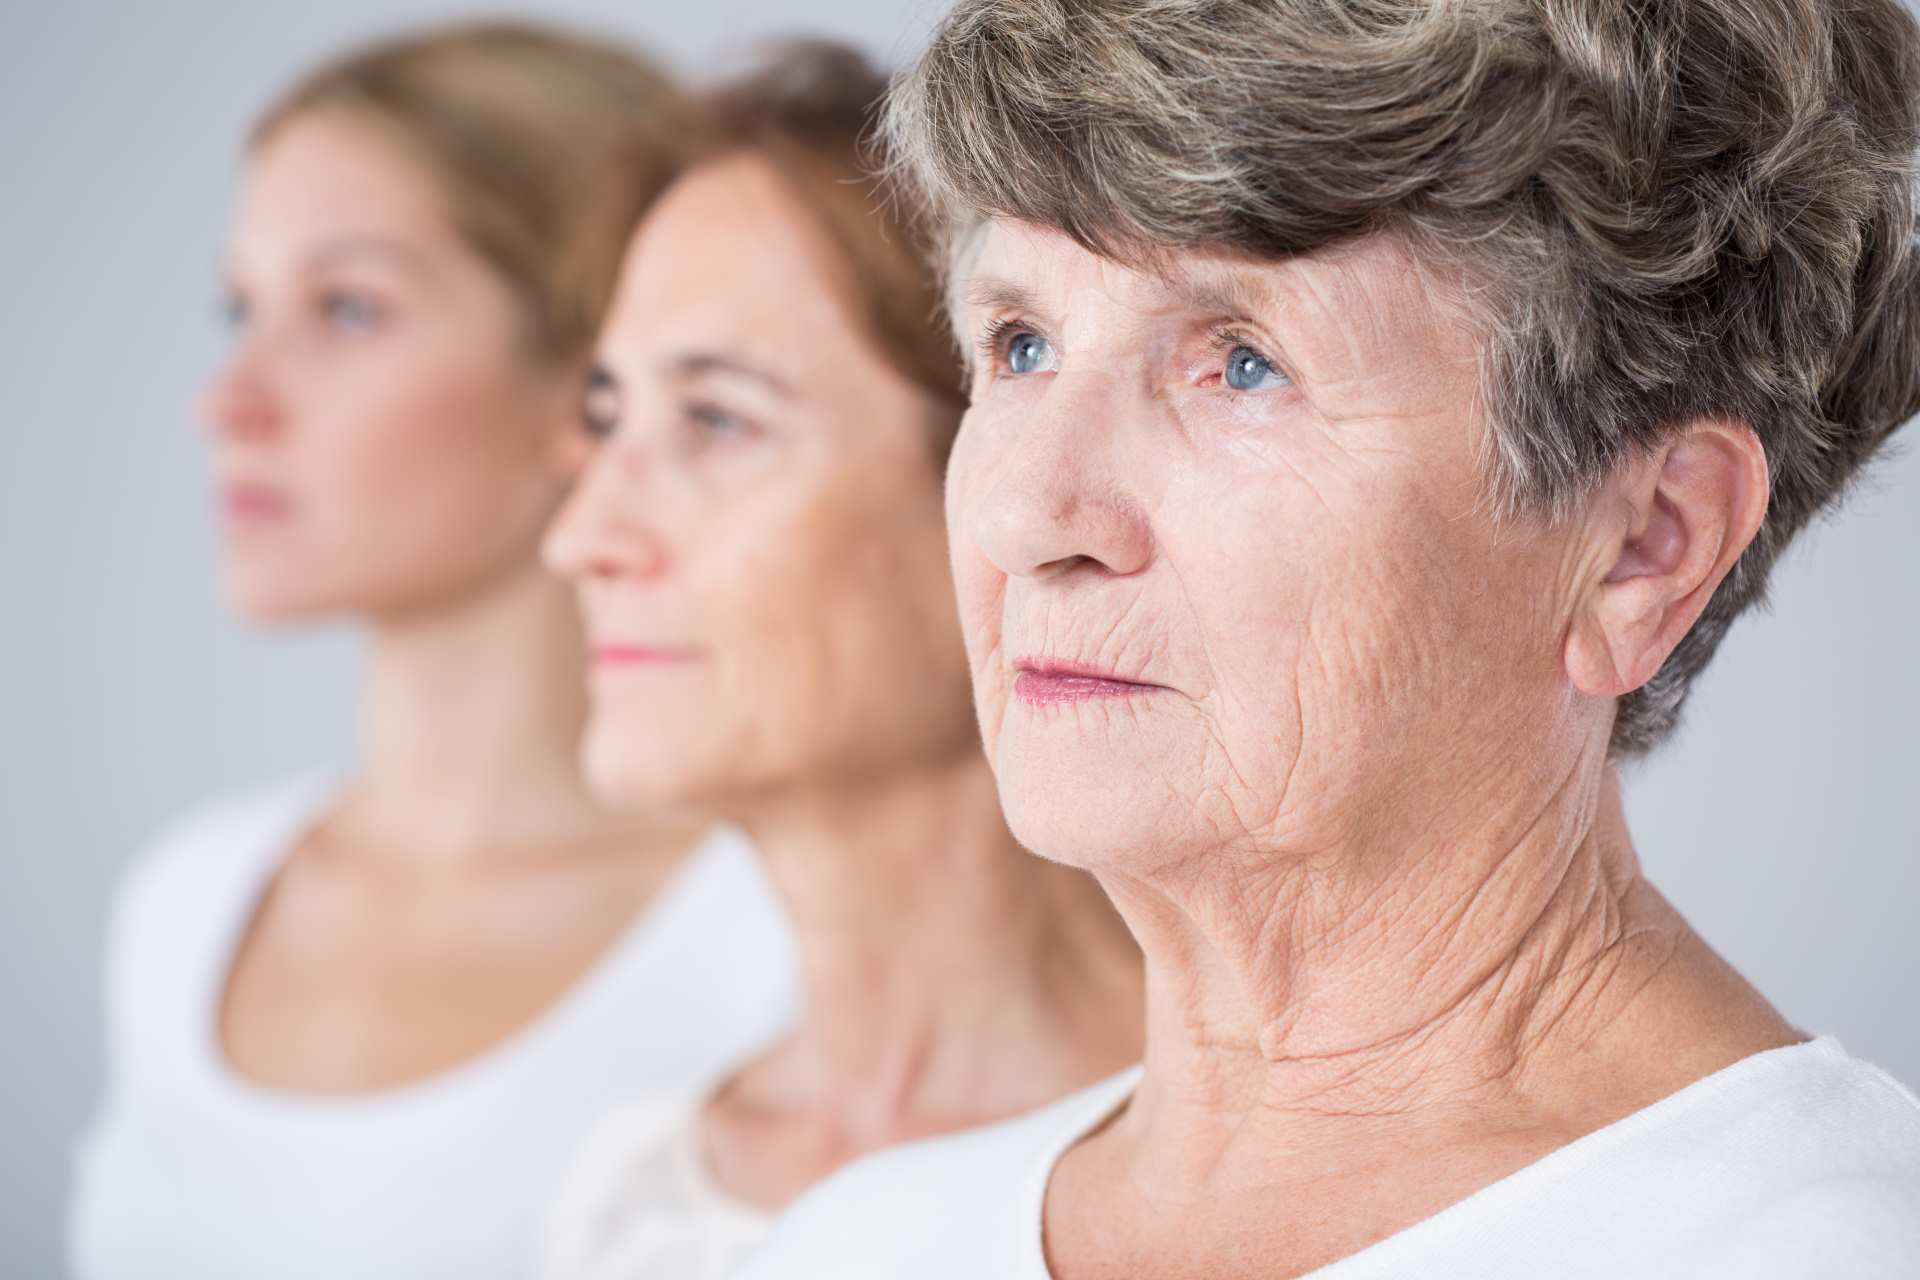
point(1041, 682)
point(621, 654)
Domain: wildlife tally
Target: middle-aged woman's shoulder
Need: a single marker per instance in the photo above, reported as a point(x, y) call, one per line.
point(921, 1208)
point(1804, 1161)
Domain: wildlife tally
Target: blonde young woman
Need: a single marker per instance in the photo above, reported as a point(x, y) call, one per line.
point(356, 1021)
point(763, 567)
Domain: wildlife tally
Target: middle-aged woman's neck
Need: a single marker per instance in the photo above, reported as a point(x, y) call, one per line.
point(1504, 957)
point(951, 976)
point(470, 725)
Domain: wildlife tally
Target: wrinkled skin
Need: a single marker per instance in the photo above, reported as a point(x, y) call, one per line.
point(1306, 566)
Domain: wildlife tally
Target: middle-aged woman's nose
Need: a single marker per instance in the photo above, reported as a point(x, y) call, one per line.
point(600, 532)
point(1051, 504)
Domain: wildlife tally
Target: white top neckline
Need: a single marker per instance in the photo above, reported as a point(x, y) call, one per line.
point(1100, 1104)
point(311, 798)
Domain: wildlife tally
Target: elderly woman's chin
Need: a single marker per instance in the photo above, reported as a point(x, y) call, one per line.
point(1100, 788)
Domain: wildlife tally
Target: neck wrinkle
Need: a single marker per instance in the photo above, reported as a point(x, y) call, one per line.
point(1428, 980)
point(929, 941)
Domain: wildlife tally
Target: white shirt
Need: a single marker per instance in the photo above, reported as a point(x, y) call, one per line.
point(191, 1171)
point(1798, 1163)
point(641, 1203)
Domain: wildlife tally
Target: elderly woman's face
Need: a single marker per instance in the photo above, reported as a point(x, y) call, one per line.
point(1224, 567)
point(759, 543)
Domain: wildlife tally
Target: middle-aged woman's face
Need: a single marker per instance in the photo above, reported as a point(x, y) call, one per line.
point(759, 543)
point(385, 436)
point(1224, 564)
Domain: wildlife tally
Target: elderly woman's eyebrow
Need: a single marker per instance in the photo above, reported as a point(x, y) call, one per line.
point(703, 363)
point(994, 293)
point(1238, 293)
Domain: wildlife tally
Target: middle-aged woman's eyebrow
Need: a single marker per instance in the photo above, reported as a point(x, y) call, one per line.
point(701, 364)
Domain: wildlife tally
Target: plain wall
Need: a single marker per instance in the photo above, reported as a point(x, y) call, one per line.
point(1783, 821)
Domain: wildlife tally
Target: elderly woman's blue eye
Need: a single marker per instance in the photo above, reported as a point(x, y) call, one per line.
point(1029, 353)
point(1248, 370)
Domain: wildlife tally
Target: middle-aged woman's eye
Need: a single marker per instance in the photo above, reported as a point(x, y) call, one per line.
point(600, 406)
point(1248, 370)
point(353, 312)
point(711, 421)
point(1029, 353)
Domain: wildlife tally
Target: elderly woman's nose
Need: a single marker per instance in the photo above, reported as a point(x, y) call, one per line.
point(602, 532)
point(1054, 504)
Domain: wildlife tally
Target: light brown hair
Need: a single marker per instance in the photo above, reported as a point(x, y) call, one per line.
point(1658, 210)
point(810, 109)
point(546, 147)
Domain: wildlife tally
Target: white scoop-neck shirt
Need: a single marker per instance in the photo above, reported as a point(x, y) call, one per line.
point(1799, 1163)
point(190, 1170)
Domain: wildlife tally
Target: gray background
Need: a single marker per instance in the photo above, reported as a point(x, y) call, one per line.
point(1784, 821)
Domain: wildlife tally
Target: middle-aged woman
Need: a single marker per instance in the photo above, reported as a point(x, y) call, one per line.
point(1381, 408)
point(357, 1023)
point(762, 560)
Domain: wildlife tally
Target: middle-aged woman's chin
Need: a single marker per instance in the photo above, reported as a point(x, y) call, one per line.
point(761, 557)
point(1379, 414)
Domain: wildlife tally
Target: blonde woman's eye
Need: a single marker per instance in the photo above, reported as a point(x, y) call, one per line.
point(350, 311)
point(1248, 370)
point(1029, 353)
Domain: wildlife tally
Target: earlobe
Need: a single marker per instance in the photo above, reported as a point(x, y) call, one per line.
point(1687, 512)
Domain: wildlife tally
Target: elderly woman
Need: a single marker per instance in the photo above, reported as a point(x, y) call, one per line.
point(1380, 412)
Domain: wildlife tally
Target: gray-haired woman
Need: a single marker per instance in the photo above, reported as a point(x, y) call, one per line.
point(1380, 411)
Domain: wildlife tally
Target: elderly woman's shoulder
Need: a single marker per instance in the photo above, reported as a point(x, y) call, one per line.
point(1799, 1161)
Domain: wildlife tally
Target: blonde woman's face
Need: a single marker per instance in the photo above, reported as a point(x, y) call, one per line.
point(759, 542)
point(385, 440)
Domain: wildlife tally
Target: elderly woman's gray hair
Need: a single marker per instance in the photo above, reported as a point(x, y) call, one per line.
point(1656, 211)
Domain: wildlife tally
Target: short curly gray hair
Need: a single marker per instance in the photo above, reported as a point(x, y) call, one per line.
point(1660, 209)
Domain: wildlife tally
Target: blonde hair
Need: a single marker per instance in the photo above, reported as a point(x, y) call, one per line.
point(546, 148)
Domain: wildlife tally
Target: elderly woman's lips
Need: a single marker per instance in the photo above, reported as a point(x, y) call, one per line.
point(1045, 683)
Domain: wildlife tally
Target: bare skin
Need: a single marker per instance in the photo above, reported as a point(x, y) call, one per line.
point(1350, 789)
point(767, 510)
point(390, 451)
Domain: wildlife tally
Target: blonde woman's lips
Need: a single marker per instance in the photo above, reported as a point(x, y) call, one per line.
point(246, 503)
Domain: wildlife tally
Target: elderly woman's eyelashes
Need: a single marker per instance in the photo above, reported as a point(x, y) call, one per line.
point(1013, 347)
point(1244, 367)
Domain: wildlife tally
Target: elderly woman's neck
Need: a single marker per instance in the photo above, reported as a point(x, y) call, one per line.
point(1391, 980)
point(930, 942)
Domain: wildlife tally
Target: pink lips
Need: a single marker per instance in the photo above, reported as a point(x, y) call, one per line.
point(1043, 682)
point(246, 503)
point(638, 655)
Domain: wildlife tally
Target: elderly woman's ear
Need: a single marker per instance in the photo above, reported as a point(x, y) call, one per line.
point(1671, 525)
